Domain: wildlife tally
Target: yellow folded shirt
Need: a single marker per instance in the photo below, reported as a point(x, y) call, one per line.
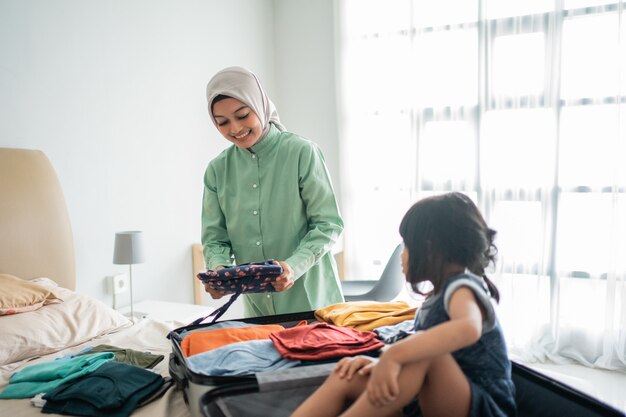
point(366, 315)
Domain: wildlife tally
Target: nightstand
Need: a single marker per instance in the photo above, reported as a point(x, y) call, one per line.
point(167, 311)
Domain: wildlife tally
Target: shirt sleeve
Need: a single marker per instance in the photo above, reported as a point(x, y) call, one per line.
point(482, 297)
point(324, 221)
point(215, 242)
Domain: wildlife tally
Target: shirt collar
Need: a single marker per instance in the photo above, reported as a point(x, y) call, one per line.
point(267, 141)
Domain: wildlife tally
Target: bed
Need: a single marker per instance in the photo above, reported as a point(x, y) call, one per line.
point(36, 246)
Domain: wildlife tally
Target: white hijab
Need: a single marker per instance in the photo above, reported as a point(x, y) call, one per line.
point(239, 83)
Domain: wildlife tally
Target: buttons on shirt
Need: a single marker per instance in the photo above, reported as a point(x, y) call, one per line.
point(255, 212)
point(253, 156)
point(254, 185)
point(258, 243)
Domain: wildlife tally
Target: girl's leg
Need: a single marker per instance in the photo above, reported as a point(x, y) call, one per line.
point(331, 397)
point(446, 390)
point(440, 383)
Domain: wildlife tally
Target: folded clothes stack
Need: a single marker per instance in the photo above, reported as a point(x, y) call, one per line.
point(101, 380)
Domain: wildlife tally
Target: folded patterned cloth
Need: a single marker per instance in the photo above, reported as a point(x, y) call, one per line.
point(321, 341)
point(247, 278)
point(251, 277)
point(393, 333)
point(366, 315)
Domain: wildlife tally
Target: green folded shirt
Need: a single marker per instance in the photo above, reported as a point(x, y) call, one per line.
point(145, 360)
point(42, 377)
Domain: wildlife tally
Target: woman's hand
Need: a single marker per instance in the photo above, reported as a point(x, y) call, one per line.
point(382, 386)
point(284, 280)
point(215, 294)
point(347, 367)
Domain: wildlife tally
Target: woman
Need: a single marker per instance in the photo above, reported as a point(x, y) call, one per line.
point(269, 196)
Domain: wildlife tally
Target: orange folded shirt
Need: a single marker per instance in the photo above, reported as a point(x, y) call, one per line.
point(202, 341)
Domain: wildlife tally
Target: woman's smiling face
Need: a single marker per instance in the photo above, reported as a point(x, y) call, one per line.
point(237, 122)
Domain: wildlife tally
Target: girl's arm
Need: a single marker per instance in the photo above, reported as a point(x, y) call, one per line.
point(463, 329)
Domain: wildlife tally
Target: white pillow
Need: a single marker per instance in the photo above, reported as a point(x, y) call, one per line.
point(56, 326)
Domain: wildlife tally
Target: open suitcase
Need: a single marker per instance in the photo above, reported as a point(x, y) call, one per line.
point(278, 393)
point(542, 396)
point(194, 385)
point(537, 395)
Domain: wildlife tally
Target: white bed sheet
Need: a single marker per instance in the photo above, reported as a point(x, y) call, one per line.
point(146, 335)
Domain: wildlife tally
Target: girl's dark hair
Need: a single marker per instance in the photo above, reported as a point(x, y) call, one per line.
point(217, 98)
point(443, 229)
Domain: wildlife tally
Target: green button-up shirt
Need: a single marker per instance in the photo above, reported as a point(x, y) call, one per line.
point(274, 201)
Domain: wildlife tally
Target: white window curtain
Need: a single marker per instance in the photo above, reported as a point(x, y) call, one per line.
point(521, 105)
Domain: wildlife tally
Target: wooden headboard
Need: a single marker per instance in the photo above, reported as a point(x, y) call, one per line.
point(198, 266)
point(35, 232)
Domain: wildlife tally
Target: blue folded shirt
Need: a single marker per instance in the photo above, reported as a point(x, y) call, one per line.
point(240, 358)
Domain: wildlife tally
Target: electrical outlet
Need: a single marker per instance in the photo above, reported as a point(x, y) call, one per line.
point(120, 283)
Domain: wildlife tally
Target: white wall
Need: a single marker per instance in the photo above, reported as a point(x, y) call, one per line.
point(113, 93)
point(305, 74)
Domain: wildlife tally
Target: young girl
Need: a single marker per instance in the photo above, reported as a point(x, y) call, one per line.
point(456, 363)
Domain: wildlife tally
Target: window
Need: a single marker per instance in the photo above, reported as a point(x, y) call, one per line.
point(517, 104)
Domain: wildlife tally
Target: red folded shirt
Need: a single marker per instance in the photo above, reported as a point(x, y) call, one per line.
point(319, 341)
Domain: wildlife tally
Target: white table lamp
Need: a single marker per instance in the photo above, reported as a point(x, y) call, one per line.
point(128, 251)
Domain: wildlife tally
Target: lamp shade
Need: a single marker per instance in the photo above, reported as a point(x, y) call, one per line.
point(128, 248)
